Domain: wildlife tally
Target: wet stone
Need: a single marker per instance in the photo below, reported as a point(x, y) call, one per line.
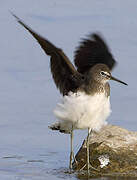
point(113, 151)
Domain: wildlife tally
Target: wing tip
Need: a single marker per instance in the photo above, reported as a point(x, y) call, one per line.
point(91, 50)
point(15, 16)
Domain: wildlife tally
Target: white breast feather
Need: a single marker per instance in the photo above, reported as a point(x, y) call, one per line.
point(83, 111)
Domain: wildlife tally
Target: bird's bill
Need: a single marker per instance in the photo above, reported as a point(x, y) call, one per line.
point(115, 79)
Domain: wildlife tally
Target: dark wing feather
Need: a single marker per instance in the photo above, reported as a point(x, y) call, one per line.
point(66, 77)
point(92, 51)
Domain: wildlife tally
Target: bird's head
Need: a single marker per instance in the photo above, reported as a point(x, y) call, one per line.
point(101, 74)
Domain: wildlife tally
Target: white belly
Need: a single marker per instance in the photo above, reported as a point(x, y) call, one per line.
point(83, 111)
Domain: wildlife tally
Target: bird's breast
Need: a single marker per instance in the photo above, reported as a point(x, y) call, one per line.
point(84, 111)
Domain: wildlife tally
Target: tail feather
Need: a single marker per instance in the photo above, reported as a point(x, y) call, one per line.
point(57, 127)
point(53, 127)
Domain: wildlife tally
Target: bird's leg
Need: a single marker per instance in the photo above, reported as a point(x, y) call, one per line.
point(88, 156)
point(88, 161)
point(71, 148)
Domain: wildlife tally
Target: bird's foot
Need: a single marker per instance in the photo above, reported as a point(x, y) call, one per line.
point(89, 166)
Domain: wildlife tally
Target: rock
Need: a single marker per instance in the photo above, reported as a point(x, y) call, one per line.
point(113, 151)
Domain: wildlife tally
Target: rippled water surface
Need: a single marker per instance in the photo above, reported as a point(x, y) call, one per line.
point(28, 149)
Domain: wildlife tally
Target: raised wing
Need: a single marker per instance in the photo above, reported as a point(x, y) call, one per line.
point(92, 51)
point(66, 77)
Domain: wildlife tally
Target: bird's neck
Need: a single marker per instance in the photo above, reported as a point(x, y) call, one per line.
point(95, 87)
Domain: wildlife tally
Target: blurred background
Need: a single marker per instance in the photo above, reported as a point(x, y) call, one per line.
point(28, 96)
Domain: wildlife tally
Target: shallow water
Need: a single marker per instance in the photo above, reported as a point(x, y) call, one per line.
point(28, 149)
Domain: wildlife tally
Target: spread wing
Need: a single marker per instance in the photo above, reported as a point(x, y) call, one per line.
point(92, 51)
point(65, 76)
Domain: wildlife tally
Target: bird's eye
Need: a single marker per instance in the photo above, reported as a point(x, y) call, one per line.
point(102, 73)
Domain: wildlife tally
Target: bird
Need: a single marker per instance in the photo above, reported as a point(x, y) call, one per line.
point(85, 89)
